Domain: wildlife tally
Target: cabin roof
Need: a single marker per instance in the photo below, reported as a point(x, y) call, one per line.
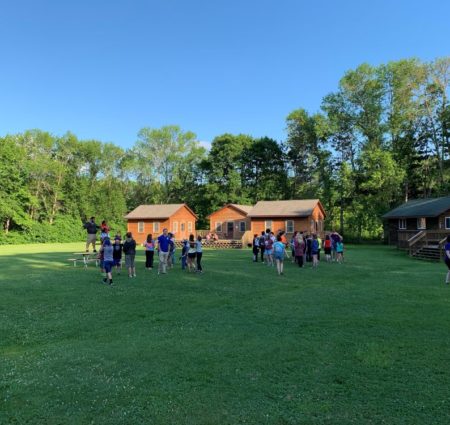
point(427, 207)
point(291, 208)
point(156, 211)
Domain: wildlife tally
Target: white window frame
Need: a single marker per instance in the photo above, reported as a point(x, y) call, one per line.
point(266, 225)
point(419, 223)
point(175, 227)
point(218, 227)
point(286, 224)
point(155, 226)
point(445, 222)
point(141, 226)
point(402, 225)
point(240, 226)
point(189, 226)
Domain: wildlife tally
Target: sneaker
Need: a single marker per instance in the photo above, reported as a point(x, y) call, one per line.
point(130, 276)
point(104, 280)
point(134, 275)
point(94, 250)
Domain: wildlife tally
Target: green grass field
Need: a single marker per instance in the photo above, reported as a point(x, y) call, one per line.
point(365, 342)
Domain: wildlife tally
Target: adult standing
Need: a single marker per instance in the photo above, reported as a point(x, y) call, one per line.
point(91, 228)
point(163, 249)
point(129, 249)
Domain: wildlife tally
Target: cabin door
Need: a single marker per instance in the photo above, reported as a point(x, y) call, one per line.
point(230, 228)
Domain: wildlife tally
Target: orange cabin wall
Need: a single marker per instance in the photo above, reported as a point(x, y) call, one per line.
point(302, 224)
point(183, 215)
point(225, 215)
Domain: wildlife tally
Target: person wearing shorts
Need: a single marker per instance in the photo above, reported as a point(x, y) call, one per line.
point(447, 259)
point(129, 249)
point(117, 254)
point(279, 249)
point(108, 260)
point(268, 252)
point(192, 253)
point(163, 248)
point(91, 229)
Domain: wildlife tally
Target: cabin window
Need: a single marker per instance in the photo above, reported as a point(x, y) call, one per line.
point(242, 226)
point(421, 223)
point(155, 226)
point(141, 227)
point(402, 224)
point(175, 227)
point(182, 227)
point(447, 222)
point(268, 224)
point(289, 226)
point(189, 226)
point(218, 227)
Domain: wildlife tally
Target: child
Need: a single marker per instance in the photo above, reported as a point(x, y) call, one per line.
point(191, 253)
point(262, 245)
point(199, 254)
point(339, 251)
point(299, 249)
point(315, 251)
point(104, 231)
point(149, 245)
point(117, 254)
point(255, 248)
point(327, 248)
point(108, 260)
point(279, 252)
point(129, 249)
point(268, 251)
point(184, 253)
point(101, 259)
point(171, 257)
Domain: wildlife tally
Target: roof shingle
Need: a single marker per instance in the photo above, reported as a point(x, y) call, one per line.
point(292, 208)
point(429, 207)
point(155, 211)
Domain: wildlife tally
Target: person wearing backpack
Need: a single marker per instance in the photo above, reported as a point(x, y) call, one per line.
point(315, 251)
point(279, 249)
point(268, 252)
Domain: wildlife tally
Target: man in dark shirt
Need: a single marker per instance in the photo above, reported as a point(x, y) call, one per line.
point(91, 229)
point(163, 248)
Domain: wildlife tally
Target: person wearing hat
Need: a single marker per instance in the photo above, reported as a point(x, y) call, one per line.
point(91, 229)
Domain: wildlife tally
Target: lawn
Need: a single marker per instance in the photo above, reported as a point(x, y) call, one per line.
point(365, 342)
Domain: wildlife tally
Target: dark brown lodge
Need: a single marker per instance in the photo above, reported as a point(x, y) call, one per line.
point(418, 222)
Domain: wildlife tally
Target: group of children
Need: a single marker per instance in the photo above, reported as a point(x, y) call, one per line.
point(304, 248)
point(110, 254)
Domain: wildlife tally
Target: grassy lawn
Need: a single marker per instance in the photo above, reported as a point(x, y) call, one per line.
point(366, 342)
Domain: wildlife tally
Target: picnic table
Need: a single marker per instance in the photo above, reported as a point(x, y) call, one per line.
point(85, 257)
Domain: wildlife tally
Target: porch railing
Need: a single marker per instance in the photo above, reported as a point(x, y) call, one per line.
point(416, 242)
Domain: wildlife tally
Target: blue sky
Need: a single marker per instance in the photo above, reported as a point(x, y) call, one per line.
point(105, 69)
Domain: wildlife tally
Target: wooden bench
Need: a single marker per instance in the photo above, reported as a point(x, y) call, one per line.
point(82, 260)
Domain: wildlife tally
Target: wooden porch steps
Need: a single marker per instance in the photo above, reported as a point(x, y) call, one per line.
point(429, 253)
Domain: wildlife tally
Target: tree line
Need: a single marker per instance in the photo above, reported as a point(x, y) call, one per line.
point(380, 139)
